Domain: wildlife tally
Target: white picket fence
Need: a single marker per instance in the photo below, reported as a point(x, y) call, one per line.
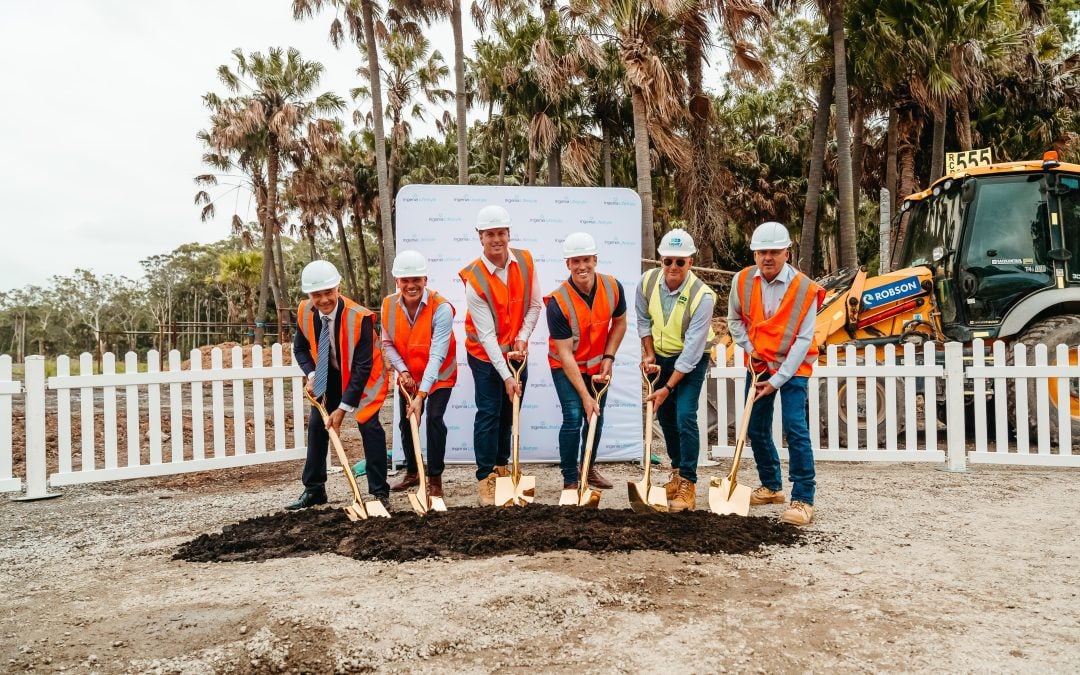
point(164, 400)
point(895, 395)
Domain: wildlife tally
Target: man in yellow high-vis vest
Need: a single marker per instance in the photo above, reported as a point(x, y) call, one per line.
point(674, 318)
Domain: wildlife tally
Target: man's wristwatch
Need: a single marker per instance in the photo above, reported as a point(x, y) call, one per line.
point(608, 356)
point(670, 389)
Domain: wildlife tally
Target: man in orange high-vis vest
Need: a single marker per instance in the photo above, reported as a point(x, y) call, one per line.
point(772, 309)
point(336, 347)
point(586, 318)
point(418, 340)
point(503, 300)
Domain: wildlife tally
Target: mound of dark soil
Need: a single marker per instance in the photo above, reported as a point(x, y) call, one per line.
point(485, 532)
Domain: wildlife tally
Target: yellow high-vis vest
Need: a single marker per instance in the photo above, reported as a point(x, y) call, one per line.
point(668, 335)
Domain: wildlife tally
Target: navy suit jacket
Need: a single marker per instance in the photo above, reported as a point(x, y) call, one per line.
point(361, 362)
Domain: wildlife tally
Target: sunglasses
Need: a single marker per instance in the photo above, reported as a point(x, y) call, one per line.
point(679, 262)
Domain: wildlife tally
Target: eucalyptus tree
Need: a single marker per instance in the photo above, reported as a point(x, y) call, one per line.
point(273, 100)
point(360, 19)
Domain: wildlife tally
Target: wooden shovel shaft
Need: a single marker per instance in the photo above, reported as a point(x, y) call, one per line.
point(744, 426)
point(339, 450)
point(417, 454)
point(586, 463)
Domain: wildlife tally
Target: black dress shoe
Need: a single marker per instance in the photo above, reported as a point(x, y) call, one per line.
point(307, 500)
point(385, 501)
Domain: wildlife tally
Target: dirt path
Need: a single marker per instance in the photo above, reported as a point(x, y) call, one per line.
point(908, 568)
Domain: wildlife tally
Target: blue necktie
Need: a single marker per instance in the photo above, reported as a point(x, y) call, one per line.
point(322, 367)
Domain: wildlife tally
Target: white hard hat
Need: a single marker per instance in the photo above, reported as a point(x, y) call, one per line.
point(578, 244)
point(678, 243)
point(409, 264)
point(492, 217)
point(770, 236)
point(319, 275)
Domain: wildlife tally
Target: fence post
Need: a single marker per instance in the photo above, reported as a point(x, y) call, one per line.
point(955, 434)
point(34, 399)
point(704, 451)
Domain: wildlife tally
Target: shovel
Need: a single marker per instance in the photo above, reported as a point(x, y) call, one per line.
point(644, 496)
point(726, 496)
point(421, 502)
point(357, 510)
point(583, 496)
point(515, 489)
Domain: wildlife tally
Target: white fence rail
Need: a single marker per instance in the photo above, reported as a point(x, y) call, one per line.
point(872, 404)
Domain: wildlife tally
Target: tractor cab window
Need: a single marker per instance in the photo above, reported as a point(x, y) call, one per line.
point(1069, 205)
point(1005, 250)
point(934, 223)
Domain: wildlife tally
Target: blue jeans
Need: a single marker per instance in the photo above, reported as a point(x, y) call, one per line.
point(796, 428)
point(494, 416)
point(678, 415)
point(575, 428)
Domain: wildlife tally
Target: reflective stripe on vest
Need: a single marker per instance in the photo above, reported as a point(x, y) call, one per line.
point(413, 341)
point(589, 353)
point(348, 335)
point(668, 334)
point(519, 294)
point(773, 337)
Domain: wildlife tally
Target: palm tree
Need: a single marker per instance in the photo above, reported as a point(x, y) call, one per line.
point(243, 271)
point(360, 17)
point(848, 255)
point(271, 105)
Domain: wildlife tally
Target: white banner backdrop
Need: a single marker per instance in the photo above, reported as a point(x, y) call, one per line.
point(439, 221)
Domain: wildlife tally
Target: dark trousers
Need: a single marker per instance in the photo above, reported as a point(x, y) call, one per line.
point(494, 417)
point(434, 407)
point(575, 428)
point(371, 433)
point(678, 415)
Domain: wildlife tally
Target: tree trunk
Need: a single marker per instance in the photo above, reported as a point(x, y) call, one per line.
point(890, 159)
point(697, 187)
point(504, 149)
point(269, 222)
point(858, 131)
point(937, 160)
point(459, 93)
point(605, 151)
point(309, 234)
point(846, 207)
point(554, 166)
point(386, 225)
point(530, 170)
point(395, 153)
point(963, 123)
point(644, 174)
point(365, 272)
point(816, 175)
point(283, 284)
point(346, 256)
point(909, 129)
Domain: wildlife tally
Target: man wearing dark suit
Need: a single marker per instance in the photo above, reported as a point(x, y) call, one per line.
point(339, 352)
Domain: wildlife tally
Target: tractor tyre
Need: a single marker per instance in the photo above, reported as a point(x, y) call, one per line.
point(1064, 329)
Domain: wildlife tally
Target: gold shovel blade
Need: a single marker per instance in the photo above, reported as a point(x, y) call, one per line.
point(647, 499)
point(725, 501)
point(658, 498)
point(417, 504)
point(355, 512)
point(590, 500)
point(526, 490)
point(504, 491)
point(437, 504)
point(376, 509)
point(568, 498)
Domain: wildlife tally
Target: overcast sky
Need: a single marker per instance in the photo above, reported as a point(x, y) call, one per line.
point(102, 100)
point(101, 103)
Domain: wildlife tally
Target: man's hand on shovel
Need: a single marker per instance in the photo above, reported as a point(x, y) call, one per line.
point(336, 418)
point(759, 366)
point(416, 407)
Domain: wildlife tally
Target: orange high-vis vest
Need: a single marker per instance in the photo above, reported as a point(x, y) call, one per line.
point(508, 302)
point(772, 337)
point(589, 326)
point(413, 341)
point(348, 327)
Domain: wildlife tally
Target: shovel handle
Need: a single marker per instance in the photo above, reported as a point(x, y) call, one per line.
point(414, 428)
point(339, 449)
point(517, 365)
point(744, 425)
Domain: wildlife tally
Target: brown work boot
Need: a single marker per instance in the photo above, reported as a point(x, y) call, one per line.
point(597, 481)
point(434, 486)
point(406, 482)
point(570, 486)
point(764, 495)
point(685, 497)
point(672, 486)
point(502, 471)
point(799, 513)
point(487, 490)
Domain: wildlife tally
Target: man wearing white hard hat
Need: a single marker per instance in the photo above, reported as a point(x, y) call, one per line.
point(336, 347)
point(586, 317)
point(418, 339)
point(503, 298)
point(772, 310)
point(674, 310)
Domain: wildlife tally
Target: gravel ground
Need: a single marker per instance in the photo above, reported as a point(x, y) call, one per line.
point(906, 568)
